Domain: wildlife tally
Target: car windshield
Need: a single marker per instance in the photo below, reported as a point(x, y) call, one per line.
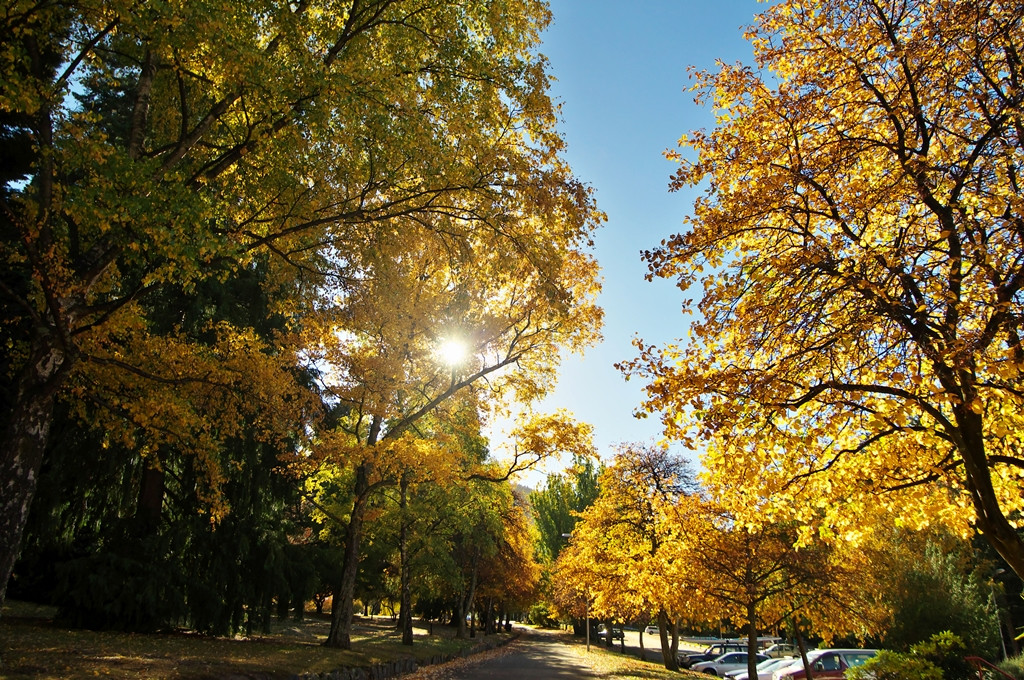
point(857, 658)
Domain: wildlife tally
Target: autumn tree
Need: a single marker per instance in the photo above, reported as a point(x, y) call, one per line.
point(358, 151)
point(131, 509)
point(415, 514)
point(860, 247)
point(761, 578)
point(510, 579)
point(380, 460)
point(615, 558)
point(573, 575)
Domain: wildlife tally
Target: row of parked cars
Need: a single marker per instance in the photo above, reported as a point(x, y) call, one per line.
point(779, 662)
point(689, 659)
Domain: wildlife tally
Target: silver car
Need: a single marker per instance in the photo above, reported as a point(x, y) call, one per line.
point(764, 669)
point(781, 649)
point(725, 663)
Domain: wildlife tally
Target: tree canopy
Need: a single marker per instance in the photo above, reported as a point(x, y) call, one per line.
point(556, 506)
point(390, 167)
point(860, 247)
point(617, 564)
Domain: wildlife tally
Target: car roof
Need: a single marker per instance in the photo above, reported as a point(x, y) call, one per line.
point(846, 650)
point(815, 653)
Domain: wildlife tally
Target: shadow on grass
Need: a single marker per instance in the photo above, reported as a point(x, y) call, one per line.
point(33, 647)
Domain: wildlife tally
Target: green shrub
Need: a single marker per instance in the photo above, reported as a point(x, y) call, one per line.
point(895, 666)
point(940, 592)
point(947, 651)
point(540, 615)
point(1013, 666)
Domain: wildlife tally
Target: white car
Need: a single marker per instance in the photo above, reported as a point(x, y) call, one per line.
point(732, 661)
point(764, 669)
point(781, 649)
point(651, 630)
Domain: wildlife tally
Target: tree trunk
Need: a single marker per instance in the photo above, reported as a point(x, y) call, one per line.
point(405, 606)
point(991, 520)
point(465, 604)
point(668, 650)
point(675, 640)
point(150, 502)
point(802, 646)
point(340, 635)
point(25, 438)
point(752, 640)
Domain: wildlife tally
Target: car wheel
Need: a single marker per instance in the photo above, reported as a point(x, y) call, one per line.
point(711, 671)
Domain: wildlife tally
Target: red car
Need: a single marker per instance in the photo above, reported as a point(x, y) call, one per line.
point(826, 664)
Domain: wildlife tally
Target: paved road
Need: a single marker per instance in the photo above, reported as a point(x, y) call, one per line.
point(652, 646)
point(534, 656)
point(537, 655)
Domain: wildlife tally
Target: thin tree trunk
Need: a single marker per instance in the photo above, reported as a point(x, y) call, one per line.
point(752, 640)
point(405, 610)
point(150, 502)
point(340, 635)
point(675, 640)
point(25, 438)
point(802, 646)
point(466, 604)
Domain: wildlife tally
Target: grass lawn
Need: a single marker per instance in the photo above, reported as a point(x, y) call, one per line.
point(32, 647)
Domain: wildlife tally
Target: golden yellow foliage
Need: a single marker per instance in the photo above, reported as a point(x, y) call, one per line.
point(617, 556)
point(392, 168)
point(859, 247)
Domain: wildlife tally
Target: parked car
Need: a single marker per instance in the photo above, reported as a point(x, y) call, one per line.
point(602, 632)
point(781, 649)
point(826, 664)
point(651, 630)
point(688, 659)
point(725, 663)
point(764, 669)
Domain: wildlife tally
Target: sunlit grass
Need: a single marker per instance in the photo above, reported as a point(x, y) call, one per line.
point(32, 647)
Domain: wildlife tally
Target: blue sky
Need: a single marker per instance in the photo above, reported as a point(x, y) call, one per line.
point(621, 70)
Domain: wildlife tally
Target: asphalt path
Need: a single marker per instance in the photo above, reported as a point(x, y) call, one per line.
point(536, 656)
point(651, 648)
